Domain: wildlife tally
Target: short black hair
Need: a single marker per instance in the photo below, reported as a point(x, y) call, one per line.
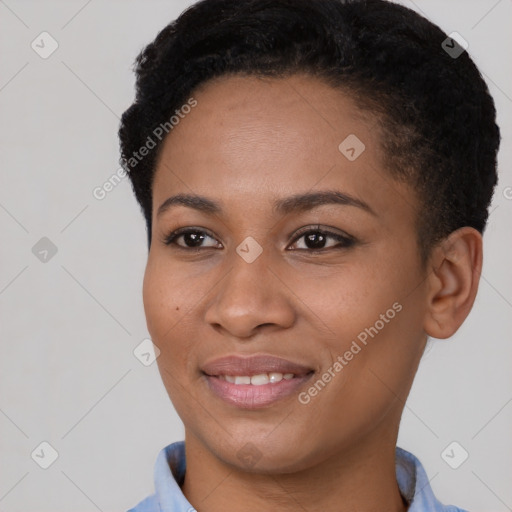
point(433, 108)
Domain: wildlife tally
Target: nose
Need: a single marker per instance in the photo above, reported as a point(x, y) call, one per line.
point(251, 296)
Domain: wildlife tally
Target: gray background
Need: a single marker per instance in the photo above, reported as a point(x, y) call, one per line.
point(69, 325)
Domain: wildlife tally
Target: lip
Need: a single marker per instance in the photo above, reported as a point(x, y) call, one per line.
point(249, 396)
point(253, 365)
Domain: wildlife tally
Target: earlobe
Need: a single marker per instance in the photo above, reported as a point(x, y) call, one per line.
point(455, 267)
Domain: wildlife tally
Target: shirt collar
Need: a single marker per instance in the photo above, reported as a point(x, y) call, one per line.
point(170, 472)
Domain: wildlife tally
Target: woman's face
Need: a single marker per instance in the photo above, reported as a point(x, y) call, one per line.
point(332, 284)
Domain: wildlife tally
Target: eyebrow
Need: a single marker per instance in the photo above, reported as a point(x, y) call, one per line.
point(295, 203)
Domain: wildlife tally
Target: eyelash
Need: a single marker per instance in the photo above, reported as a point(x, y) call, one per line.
point(346, 241)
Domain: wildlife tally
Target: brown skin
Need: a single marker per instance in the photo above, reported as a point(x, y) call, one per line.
point(249, 142)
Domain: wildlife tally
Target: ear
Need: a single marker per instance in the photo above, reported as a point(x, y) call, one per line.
point(455, 266)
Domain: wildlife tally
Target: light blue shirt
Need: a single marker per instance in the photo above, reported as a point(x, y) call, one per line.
point(170, 473)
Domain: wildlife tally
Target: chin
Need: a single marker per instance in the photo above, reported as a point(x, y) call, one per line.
point(251, 454)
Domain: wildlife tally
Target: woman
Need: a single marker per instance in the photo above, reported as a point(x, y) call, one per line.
point(315, 178)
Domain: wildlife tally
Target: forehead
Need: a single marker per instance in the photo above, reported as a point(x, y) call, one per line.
point(255, 139)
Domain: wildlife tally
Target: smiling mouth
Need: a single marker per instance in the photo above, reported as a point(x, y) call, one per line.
point(256, 391)
point(257, 380)
point(257, 365)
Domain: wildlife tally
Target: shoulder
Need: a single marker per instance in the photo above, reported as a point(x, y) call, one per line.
point(452, 508)
point(169, 471)
point(415, 486)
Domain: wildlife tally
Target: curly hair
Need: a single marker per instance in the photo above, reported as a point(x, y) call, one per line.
point(435, 115)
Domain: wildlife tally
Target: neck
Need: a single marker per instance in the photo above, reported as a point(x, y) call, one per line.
point(362, 478)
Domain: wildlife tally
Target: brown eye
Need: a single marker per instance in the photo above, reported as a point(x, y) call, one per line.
point(193, 238)
point(316, 239)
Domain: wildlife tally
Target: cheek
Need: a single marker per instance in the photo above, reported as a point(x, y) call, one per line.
point(379, 320)
point(370, 314)
point(155, 295)
point(165, 305)
point(171, 300)
point(344, 301)
point(165, 308)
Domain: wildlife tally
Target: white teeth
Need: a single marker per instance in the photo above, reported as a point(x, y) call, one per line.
point(257, 380)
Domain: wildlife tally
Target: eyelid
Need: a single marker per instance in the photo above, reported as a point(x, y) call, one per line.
point(340, 236)
point(344, 240)
point(169, 238)
point(323, 229)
